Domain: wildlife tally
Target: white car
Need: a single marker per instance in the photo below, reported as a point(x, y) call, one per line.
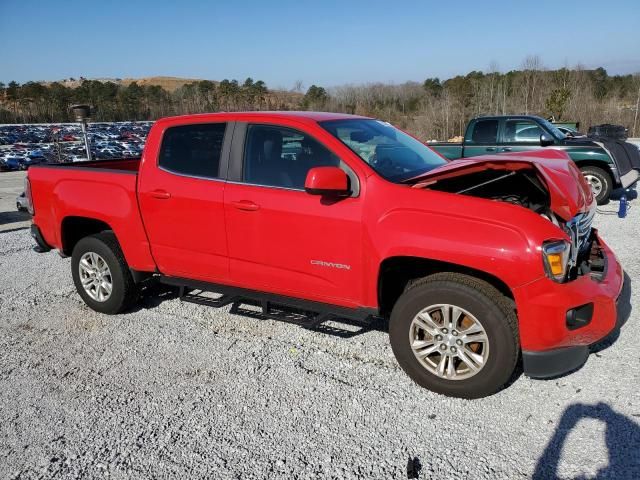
point(21, 202)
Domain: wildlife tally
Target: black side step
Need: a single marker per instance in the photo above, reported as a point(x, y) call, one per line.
point(282, 313)
point(263, 305)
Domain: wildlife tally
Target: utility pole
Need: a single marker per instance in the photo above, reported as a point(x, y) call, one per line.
point(82, 113)
point(635, 118)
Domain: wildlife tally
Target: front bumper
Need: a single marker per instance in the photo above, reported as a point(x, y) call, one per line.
point(551, 344)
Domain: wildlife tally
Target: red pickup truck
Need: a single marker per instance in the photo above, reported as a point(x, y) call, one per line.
point(321, 216)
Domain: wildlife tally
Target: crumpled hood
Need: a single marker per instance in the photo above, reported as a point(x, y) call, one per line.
point(568, 190)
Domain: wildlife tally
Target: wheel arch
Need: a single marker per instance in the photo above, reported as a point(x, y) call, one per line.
point(396, 272)
point(592, 162)
point(75, 228)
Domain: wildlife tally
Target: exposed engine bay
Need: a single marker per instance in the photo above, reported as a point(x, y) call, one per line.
point(520, 187)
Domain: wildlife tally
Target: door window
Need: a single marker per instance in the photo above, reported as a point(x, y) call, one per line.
point(193, 150)
point(521, 131)
point(281, 157)
point(484, 132)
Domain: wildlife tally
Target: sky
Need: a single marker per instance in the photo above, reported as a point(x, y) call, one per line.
point(323, 42)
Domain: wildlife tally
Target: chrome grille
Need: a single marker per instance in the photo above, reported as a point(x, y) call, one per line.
point(579, 229)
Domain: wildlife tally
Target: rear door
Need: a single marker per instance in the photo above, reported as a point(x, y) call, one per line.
point(181, 200)
point(481, 137)
point(282, 239)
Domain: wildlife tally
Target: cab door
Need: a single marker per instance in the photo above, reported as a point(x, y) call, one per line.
point(520, 135)
point(182, 201)
point(282, 239)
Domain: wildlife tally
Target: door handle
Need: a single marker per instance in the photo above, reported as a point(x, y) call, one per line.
point(161, 194)
point(490, 149)
point(246, 205)
point(507, 149)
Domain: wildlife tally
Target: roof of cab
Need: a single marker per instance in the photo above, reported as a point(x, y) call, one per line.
point(292, 114)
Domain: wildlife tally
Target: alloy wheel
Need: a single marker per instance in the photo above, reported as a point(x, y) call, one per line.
point(95, 277)
point(449, 342)
point(595, 182)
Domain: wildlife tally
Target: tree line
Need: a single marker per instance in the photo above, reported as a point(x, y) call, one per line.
point(34, 102)
point(432, 109)
point(436, 109)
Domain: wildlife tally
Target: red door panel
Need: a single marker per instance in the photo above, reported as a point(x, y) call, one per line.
point(293, 243)
point(184, 219)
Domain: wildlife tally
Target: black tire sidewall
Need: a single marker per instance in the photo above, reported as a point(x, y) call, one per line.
point(502, 346)
point(604, 178)
point(118, 295)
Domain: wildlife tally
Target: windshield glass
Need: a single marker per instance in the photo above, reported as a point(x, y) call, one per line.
point(555, 131)
point(392, 153)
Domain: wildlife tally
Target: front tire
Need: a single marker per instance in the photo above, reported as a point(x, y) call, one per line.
point(600, 182)
point(455, 335)
point(101, 274)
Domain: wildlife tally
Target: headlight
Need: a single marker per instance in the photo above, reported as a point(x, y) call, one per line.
point(556, 259)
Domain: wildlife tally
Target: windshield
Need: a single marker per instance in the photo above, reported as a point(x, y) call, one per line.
point(555, 131)
point(392, 153)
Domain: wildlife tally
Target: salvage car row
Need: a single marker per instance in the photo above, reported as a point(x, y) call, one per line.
point(24, 145)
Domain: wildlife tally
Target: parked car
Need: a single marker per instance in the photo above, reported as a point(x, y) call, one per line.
point(603, 169)
point(13, 163)
point(21, 202)
point(325, 216)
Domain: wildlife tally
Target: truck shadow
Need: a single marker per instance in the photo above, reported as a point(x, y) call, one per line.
point(7, 218)
point(622, 437)
point(153, 294)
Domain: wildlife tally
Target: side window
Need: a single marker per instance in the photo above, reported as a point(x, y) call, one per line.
point(281, 157)
point(521, 131)
point(484, 131)
point(193, 150)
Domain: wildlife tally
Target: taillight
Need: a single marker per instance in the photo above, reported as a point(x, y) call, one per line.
point(27, 195)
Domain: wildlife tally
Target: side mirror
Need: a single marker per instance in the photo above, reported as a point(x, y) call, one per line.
point(546, 140)
point(327, 181)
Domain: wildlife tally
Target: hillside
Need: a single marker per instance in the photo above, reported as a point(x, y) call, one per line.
point(170, 84)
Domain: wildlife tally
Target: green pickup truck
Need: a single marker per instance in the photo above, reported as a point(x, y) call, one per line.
point(606, 165)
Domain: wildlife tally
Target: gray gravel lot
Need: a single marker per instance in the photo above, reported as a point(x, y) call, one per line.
point(179, 390)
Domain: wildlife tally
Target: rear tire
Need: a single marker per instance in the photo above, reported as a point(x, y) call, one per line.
point(123, 292)
point(600, 182)
point(476, 302)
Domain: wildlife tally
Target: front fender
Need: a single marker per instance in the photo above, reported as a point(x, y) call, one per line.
point(589, 154)
point(499, 249)
point(497, 238)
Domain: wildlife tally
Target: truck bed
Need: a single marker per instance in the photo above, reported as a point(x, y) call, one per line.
point(103, 190)
point(449, 150)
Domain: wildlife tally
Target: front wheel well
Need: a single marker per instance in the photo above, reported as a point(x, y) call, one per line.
point(73, 229)
point(396, 272)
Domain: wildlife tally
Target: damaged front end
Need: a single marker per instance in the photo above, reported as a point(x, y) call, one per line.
point(550, 185)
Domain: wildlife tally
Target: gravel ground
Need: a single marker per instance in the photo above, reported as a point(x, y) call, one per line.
point(179, 390)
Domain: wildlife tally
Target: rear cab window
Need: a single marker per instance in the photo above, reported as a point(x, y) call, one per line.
point(193, 150)
point(483, 132)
